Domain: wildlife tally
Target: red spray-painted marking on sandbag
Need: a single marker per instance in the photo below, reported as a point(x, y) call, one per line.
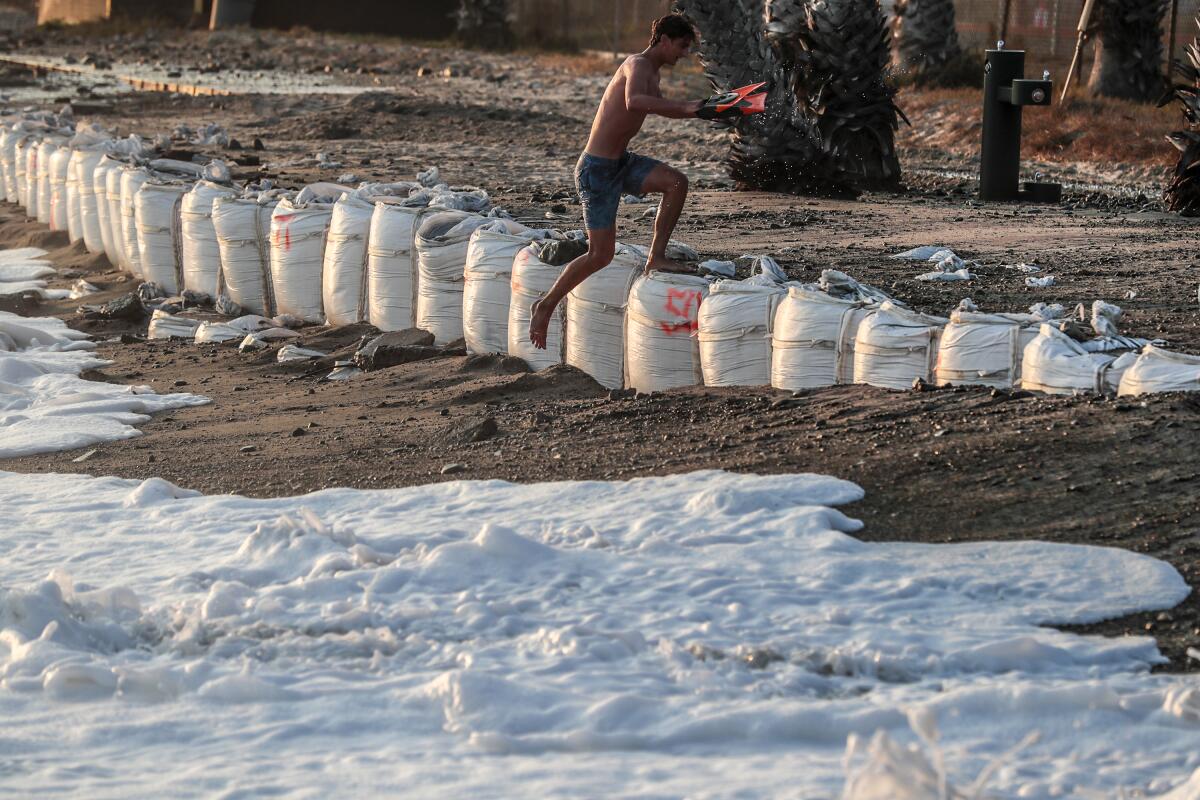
point(681, 303)
point(283, 235)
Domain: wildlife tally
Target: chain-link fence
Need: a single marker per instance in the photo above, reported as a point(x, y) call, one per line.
point(1044, 28)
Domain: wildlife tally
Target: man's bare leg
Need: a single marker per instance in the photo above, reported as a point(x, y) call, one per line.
point(601, 248)
point(673, 185)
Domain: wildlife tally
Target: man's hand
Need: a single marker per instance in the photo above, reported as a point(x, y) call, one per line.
point(710, 109)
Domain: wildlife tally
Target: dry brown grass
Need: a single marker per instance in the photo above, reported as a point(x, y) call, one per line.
point(1085, 129)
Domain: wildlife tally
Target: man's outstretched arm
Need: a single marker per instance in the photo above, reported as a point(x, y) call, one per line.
point(639, 99)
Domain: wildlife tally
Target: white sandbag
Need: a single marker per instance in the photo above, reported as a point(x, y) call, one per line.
point(298, 232)
point(201, 252)
point(895, 346)
point(54, 199)
point(31, 147)
point(217, 332)
point(487, 283)
point(1057, 364)
point(242, 226)
point(8, 165)
point(660, 350)
point(116, 215)
point(596, 318)
point(132, 181)
point(532, 278)
point(442, 242)
point(735, 325)
point(344, 276)
point(1160, 370)
point(81, 193)
point(164, 326)
point(42, 170)
point(392, 265)
point(20, 180)
point(105, 167)
point(157, 206)
point(984, 349)
point(812, 344)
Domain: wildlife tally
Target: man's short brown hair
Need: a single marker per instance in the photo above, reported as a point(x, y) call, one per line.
point(672, 26)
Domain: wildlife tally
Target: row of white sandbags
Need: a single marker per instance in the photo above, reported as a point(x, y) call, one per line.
point(620, 326)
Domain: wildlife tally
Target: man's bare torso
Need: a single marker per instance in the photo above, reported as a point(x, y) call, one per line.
point(615, 125)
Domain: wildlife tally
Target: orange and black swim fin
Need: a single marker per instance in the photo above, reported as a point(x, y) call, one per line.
point(750, 99)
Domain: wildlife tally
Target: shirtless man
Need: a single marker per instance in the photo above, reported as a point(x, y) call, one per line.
point(606, 170)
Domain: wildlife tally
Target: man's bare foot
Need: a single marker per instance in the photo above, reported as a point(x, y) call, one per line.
point(539, 322)
point(664, 264)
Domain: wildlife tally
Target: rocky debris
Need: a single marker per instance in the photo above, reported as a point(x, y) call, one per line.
point(451, 469)
point(128, 307)
point(468, 432)
point(395, 348)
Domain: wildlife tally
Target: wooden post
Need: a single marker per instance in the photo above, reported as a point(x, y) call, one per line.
point(1171, 37)
point(1085, 18)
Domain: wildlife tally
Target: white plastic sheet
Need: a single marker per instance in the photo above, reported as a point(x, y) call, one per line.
point(201, 252)
point(243, 226)
point(596, 318)
point(735, 325)
point(58, 215)
point(392, 265)
point(1161, 370)
point(442, 242)
point(487, 283)
point(813, 341)
point(160, 246)
point(1057, 364)
point(661, 351)
point(895, 346)
point(532, 278)
point(164, 326)
point(297, 253)
point(132, 181)
point(83, 213)
point(980, 349)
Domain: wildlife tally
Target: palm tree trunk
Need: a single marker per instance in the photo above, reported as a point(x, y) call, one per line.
point(1129, 49)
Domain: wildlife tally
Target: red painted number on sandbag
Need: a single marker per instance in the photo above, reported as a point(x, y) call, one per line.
point(679, 302)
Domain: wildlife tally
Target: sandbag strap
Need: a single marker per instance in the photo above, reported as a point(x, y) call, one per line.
point(736, 333)
point(264, 262)
point(841, 345)
point(363, 283)
point(177, 240)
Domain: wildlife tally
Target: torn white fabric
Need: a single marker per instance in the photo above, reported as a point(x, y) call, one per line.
point(166, 326)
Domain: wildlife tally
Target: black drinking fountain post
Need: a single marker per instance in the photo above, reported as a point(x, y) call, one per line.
point(1005, 92)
